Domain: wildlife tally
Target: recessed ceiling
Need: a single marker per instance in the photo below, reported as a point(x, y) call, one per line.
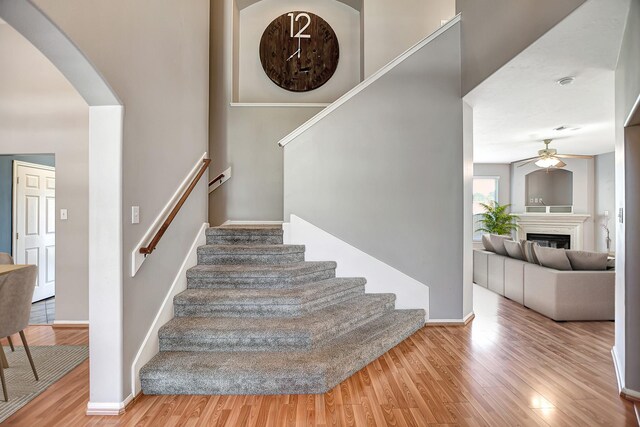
point(522, 103)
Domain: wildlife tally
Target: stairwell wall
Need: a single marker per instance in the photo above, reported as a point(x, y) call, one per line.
point(385, 172)
point(495, 31)
point(155, 56)
point(243, 136)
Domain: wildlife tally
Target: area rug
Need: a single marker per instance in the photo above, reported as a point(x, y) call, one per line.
point(52, 362)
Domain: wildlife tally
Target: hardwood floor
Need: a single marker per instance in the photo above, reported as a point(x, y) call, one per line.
point(509, 367)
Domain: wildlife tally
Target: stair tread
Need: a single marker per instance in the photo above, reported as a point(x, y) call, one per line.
point(297, 295)
point(251, 249)
point(313, 371)
point(245, 230)
point(310, 324)
point(258, 270)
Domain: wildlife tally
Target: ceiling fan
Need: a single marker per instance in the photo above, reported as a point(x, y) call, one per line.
point(549, 157)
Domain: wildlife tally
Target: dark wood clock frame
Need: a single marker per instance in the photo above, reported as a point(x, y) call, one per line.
point(299, 51)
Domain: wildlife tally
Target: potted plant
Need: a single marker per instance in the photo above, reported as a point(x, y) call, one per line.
point(496, 219)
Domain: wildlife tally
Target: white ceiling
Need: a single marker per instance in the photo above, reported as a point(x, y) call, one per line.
point(521, 104)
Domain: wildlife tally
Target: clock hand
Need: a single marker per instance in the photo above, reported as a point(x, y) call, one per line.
point(299, 47)
point(294, 54)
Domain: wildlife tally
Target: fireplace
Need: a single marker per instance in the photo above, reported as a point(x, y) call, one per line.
point(560, 241)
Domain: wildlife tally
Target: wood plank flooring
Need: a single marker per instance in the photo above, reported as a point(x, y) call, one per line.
point(509, 367)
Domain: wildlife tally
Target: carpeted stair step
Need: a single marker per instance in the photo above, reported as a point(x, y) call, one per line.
point(258, 276)
point(244, 235)
point(272, 334)
point(250, 254)
point(316, 371)
point(281, 302)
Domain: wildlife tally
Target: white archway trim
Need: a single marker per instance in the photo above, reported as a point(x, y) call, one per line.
point(35, 26)
point(106, 395)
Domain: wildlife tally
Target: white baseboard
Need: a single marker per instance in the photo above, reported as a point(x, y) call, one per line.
point(622, 390)
point(352, 262)
point(150, 345)
point(108, 408)
point(231, 222)
point(452, 322)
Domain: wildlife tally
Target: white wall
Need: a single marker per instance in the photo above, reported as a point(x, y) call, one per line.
point(605, 200)
point(40, 112)
point(583, 192)
point(384, 172)
point(255, 86)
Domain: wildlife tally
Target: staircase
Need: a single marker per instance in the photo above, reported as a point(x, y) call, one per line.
point(257, 319)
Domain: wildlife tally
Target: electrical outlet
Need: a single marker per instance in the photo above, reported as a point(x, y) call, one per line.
point(135, 214)
point(63, 214)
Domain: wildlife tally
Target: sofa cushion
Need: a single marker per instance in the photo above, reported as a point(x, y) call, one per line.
point(514, 250)
point(585, 260)
point(486, 242)
point(497, 242)
point(552, 258)
point(527, 250)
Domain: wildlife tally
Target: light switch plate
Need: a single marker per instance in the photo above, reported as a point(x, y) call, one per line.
point(135, 214)
point(63, 214)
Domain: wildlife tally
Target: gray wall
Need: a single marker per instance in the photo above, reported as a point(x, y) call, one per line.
point(6, 192)
point(244, 137)
point(495, 31)
point(155, 56)
point(385, 172)
point(605, 200)
point(503, 171)
point(627, 343)
point(43, 113)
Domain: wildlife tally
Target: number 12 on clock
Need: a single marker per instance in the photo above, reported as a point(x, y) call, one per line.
point(300, 34)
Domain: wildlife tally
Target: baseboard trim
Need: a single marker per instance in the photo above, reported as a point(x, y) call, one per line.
point(82, 324)
point(452, 322)
point(624, 392)
point(230, 222)
point(149, 346)
point(108, 408)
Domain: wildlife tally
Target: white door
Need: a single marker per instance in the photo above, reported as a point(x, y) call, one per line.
point(34, 222)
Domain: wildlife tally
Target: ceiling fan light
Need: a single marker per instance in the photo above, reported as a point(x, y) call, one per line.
point(548, 162)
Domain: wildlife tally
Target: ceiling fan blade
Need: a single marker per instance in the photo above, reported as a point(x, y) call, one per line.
point(527, 161)
point(561, 164)
point(573, 156)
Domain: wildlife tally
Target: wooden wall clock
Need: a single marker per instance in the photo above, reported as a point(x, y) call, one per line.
point(299, 51)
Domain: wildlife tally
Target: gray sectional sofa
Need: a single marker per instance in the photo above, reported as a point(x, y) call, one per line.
point(559, 295)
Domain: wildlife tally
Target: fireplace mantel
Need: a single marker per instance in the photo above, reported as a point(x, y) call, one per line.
point(570, 224)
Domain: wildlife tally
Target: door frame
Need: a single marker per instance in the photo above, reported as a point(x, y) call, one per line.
point(14, 200)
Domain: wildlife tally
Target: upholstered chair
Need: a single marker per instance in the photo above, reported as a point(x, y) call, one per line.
point(6, 259)
point(16, 291)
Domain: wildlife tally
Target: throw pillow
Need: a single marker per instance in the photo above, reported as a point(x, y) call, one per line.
point(584, 260)
point(497, 242)
point(552, 258)
point(486, 242)
point(514, 249)
point(527, 249)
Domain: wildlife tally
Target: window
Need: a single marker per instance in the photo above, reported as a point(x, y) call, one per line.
point(485, 190)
